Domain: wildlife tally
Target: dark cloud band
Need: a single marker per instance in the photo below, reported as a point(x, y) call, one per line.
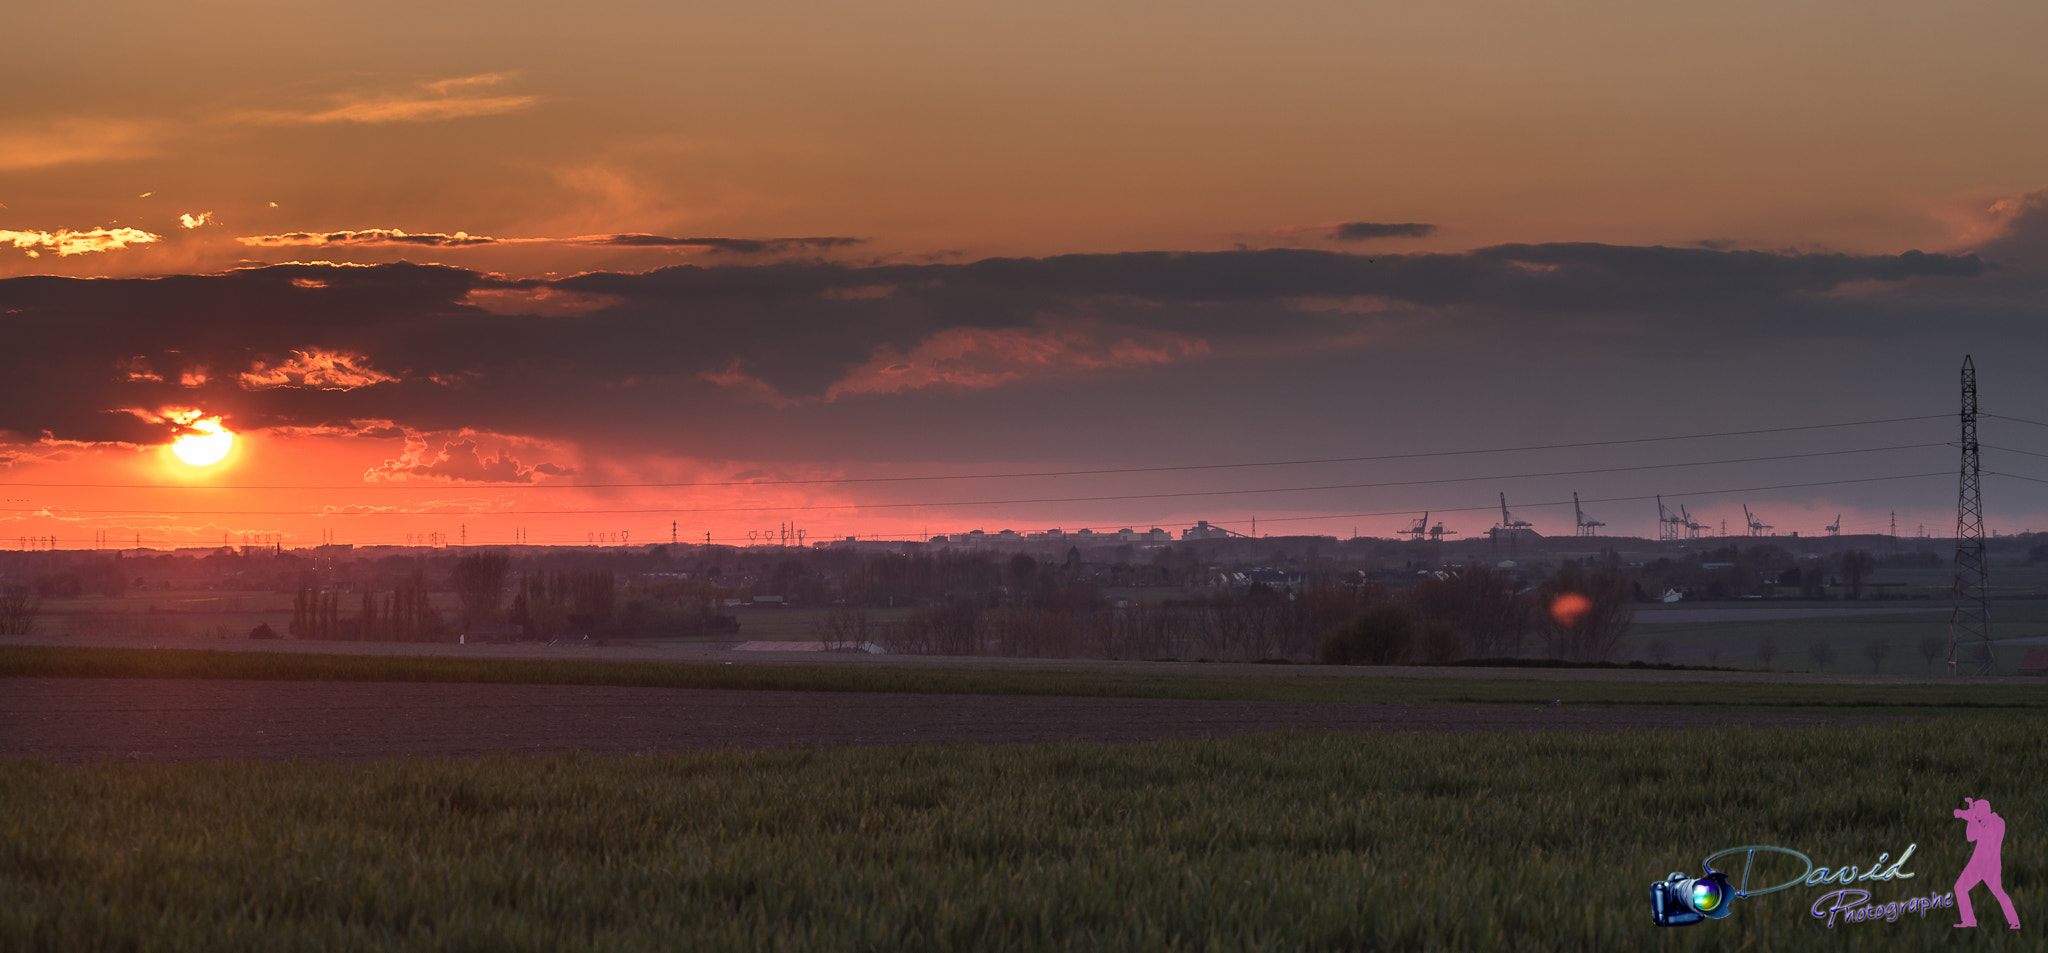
point(439, 349)
point(1362, 231)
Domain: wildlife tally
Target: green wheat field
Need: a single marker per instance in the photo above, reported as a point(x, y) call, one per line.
point(1541, 841)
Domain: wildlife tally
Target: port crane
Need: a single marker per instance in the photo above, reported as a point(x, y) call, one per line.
point(1756, 526)
point(1586, 526)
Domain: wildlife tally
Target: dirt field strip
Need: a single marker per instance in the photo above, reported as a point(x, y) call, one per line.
point(66, 719)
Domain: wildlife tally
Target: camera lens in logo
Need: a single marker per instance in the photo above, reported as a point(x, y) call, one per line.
point(1708, 895)
point(1679, 900)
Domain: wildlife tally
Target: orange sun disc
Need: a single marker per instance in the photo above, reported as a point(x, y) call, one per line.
point(206, 445)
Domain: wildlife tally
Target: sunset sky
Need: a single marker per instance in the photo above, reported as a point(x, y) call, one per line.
point(880, 269)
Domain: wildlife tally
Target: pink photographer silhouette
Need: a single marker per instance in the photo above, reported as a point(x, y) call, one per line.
point(1988, 830)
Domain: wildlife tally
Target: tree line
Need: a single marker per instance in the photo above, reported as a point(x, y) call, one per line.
point(1579, 614)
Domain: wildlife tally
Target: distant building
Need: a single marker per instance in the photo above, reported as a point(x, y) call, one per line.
point(1273, 578)
point(493, 633)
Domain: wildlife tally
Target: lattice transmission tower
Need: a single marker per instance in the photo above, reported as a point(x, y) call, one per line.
point(1969, 617)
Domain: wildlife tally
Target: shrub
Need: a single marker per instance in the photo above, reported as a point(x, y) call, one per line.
point(1381, 635)
point(1441, 645)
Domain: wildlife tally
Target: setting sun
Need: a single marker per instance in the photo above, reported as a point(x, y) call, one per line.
point(207, 445)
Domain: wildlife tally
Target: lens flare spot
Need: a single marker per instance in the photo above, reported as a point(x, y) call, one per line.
point(1569, 608)
point(205, 444)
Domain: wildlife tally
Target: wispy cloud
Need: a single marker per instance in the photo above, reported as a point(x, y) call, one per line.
point(459, 460)
point(457, 98)
point(743, 246)
point(136, 368)
point(371, 236)
point(315, 369)
point(68, 242)
point(66, 141)
point(980, 358)
point(1349, 231)
point(396, 236)
point(746, 386)
point(190, 220)
point(540, 300)
point(1364, 231)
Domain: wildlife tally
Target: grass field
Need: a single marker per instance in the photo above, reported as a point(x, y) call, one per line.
point(1946, 697)
point(1734, 643)
point(178, 616)
point(1340, 842)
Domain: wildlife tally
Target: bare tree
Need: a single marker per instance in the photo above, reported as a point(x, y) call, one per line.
point(844, 630)
point(1766, 650)
point(18, 611)
point(1660, 650)
point(1587, 613)
point(1875, 651)
point(1822, 652)
point(480, 581)
point(1481, 604)
point(1856, 569)
point(1931, 648)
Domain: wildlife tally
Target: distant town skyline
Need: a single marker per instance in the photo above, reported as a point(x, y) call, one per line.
point(539, 272)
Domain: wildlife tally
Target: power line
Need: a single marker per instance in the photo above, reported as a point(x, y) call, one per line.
point(1069, 499)
point(990, 476)
point(2017, 420)
point(2029, 453)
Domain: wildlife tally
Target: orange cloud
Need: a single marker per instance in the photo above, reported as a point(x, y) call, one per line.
point(747, 385)
point(75, 140)
point(396, 236)
point(459, 460)
point(544, 300)
point(981, 358)
point(67, 242)
point(373, 429)
point(137, 368)
point(316, 369)
point(429, 102)
point(190, 220)
point(370, 236)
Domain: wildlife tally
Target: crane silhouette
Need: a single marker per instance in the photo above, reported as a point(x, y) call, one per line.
point(1586, 526)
